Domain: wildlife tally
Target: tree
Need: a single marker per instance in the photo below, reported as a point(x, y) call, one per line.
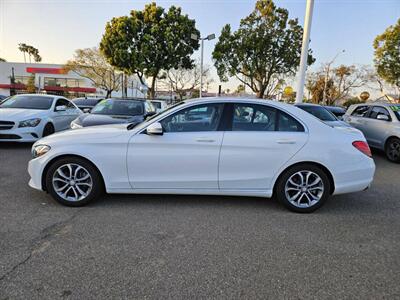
point(341, 82)
point(149, 41)
point(265, 49)
point(30, 86)
point(31, 51)
point(387, 55)
point(240, 89)
point(2, 60)
point(183, 81)
point(91, 64)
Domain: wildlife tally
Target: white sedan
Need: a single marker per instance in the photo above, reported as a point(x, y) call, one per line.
point(213, 146)
point(28, 117)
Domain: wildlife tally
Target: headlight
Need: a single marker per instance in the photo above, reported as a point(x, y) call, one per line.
point(29, 123)
point(40, 150)
point(75, 125)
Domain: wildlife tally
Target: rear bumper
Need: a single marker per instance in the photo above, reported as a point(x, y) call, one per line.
point(355, 178)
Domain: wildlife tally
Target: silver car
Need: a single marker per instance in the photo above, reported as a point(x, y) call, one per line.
point(380, 123)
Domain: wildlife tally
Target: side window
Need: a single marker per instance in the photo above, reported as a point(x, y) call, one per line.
point(360, 111)
point(376, 111)
point(204, 117)
point(253, 117)
point(70, 105)
point(149, 107)
point(288, 123)
point(62, 102)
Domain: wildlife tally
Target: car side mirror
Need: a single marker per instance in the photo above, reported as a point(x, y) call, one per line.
point(61, 108)
point(86, 110)
point(383, 117)
point(155, 129)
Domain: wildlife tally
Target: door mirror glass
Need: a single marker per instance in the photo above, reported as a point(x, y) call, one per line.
point(382, 117)
point(155, 129)
point(61, 108)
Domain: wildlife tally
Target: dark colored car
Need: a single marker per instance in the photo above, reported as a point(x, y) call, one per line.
point(116, 111)
point(337, 111)
point(86, 104)
point(322, 113)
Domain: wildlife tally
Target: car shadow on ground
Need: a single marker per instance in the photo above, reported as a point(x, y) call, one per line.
point(15, 145)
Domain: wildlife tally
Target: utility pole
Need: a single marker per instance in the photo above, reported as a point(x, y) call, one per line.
point(304, 51)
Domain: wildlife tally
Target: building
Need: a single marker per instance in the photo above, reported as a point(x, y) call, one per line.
point(52, 79)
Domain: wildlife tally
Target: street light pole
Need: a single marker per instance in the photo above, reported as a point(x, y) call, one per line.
point(196, 38)
point(201, 68)
point(304, 51)
point(327, 76)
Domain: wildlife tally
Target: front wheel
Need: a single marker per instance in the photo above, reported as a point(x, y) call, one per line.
point(303, 188)
point(393, 150)
point(73, 181)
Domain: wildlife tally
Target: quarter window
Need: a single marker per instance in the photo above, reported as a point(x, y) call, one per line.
point(194, 119)
point(288, 123)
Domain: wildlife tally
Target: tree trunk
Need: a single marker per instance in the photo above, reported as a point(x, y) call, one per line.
point(108, 95)
point(152, 89)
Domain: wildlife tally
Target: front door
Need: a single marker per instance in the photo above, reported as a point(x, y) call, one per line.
point(184, 157)
point(262, 139)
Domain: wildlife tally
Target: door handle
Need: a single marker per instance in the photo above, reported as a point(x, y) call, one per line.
point(204, 140)
point(286, 141)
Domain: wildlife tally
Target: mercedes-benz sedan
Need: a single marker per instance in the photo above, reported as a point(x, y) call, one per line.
point(213, 146)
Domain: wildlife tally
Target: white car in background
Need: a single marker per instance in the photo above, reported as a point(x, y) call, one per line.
point(29, 117)
point(159, 105)
point(209, 146)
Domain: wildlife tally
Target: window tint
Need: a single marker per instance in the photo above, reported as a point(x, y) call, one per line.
point(253, 117)
point(28, 102)
point(119, 107)
point(318, 111)
point(288, 123)
point(86, 102)
point(62, 102)
point(360, 111)
point(376, 111)
point(193, 119)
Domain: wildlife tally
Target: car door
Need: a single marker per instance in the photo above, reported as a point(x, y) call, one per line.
point(358, 117)
point(61, 117)
point(185, 156)
point(261, 140)
point(376, 130)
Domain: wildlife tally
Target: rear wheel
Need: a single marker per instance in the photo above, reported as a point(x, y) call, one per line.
point(393, 150)
point(73, 181)
point(48, 129)
point(303, 188)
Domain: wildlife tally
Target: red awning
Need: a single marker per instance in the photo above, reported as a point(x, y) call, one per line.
point(71, 89)
point(46, 70)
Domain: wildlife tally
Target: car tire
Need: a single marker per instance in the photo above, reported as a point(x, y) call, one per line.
point(48, 129)
point(392, 150)
point(303, 188)
point(73, 181)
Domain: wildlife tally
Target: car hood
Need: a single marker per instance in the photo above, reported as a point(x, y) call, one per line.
point(20, 114)
point(337, 123)
point(81, 135)
point(97, 119)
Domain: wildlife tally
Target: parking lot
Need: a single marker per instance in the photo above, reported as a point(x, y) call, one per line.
point(127, 246)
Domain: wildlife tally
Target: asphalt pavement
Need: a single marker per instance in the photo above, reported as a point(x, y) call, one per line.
point(179, 247)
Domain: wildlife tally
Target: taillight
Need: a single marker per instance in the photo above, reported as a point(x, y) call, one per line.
point(363, 147)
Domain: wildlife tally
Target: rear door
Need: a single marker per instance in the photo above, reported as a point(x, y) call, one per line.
point(259, 141)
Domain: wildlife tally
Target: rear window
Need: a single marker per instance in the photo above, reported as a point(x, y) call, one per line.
point(86, 102)
point(319, 112)
point(156, 104)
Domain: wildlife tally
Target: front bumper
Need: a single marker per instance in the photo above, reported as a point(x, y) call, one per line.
point(35, 169)
point(24, 134)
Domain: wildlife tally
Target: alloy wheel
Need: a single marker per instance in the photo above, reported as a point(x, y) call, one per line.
point(72, 182)
point(304, 189)
point(394, 150)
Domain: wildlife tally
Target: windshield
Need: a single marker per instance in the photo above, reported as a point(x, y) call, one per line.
point(396, 110)
point(119, 107)
point(318, 111)
point(28, 102)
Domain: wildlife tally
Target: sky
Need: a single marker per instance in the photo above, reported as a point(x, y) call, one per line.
point(58, 27)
